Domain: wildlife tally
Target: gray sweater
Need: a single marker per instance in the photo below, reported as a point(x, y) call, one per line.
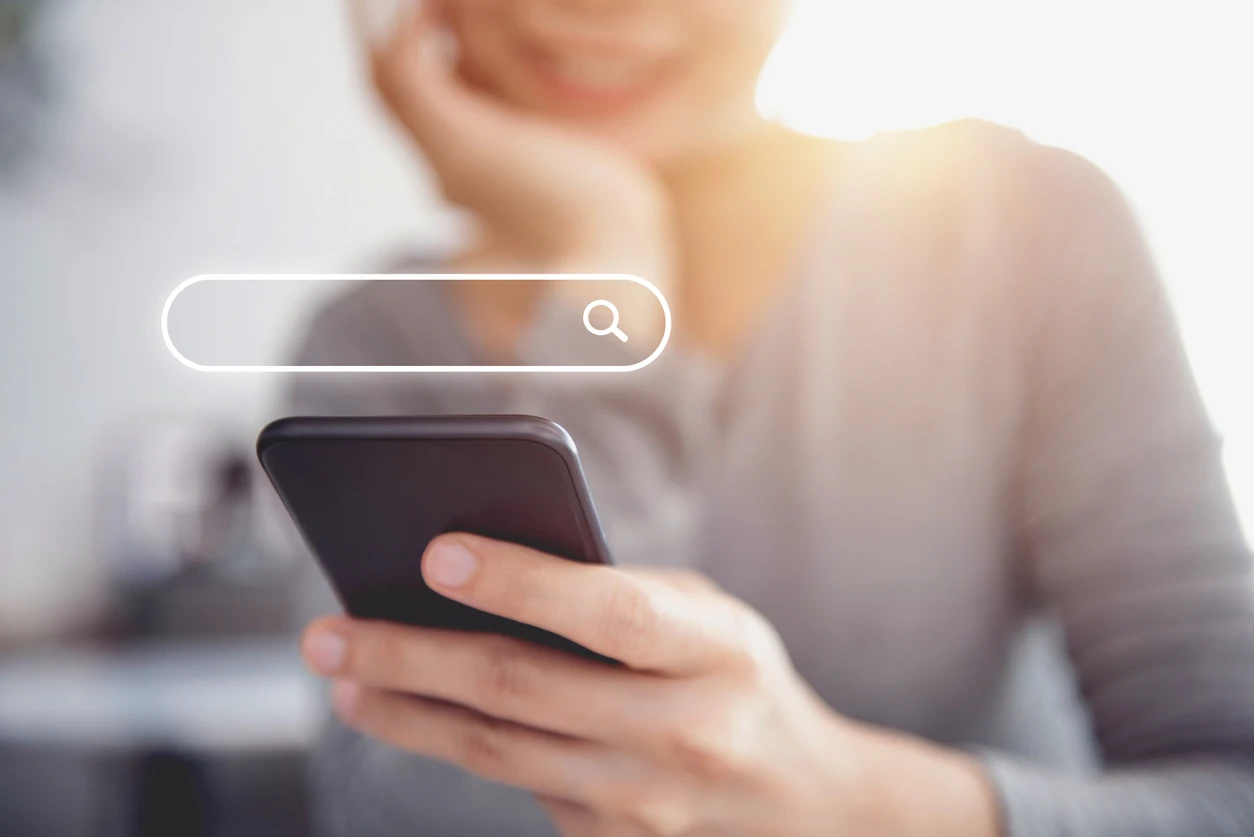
point(967, 414)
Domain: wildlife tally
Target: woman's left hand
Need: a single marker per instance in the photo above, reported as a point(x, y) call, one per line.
point(705, 729)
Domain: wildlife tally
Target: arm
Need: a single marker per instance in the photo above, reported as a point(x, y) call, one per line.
point(1131, 538)
point(706, 726)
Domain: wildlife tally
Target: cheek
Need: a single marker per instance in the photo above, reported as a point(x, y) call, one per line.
point(726, 67)
point(734, 37)
point(714, 90)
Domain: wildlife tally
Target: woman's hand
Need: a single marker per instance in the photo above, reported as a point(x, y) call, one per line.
point(704, 729)
point(554, 199)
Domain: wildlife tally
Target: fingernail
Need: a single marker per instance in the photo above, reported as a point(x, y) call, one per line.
point(325, 650)
point(449, 564)
point(344, 697)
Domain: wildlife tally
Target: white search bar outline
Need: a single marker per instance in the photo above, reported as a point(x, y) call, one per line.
point(411, 277)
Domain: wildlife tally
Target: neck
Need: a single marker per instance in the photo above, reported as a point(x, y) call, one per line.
point(740, 214)
point(717, 166)
point(768, 171)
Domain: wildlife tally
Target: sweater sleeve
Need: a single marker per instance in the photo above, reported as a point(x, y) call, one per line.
point(1129, 536)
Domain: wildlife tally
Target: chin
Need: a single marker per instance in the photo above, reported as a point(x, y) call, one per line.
point(657, 118)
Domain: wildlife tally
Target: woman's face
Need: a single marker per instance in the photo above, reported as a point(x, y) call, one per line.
point(659, 78)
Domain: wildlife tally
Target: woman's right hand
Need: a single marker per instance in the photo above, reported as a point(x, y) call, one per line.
point(553, 199)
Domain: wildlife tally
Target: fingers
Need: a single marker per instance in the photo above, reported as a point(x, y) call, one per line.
point(494, 749)
point(406, 59)
point(409, 55)
point(499, 676)
point(641, 621)
point(626, 793)
point(414, 73)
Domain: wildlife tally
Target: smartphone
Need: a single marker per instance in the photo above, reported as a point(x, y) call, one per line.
point(368, 494)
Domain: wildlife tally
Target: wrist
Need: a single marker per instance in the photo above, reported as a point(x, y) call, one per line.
point(631, 240)
point(906, 786)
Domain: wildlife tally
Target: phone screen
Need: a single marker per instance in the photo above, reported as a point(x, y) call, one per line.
point(369, 495)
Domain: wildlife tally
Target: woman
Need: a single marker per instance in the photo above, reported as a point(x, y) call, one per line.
point(922, 388)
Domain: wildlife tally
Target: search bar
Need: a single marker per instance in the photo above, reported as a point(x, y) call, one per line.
point(346, 323)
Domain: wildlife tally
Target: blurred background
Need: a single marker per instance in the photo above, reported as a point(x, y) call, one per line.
point(148, 675)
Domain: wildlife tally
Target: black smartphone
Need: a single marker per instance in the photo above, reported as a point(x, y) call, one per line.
point(368, 494)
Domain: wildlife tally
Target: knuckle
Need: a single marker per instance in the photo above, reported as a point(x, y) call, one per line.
point(713, 746)
point(655, 812)
point(629, 619)
point(504, 675)
point(753, 644)
point(481, 749)
point(619, 800)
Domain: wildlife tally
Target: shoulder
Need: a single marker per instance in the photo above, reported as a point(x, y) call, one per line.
point(947, 152)
point(978, 199)
point(974, 165)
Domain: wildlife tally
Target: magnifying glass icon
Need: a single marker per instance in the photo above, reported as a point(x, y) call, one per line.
point(613, 327)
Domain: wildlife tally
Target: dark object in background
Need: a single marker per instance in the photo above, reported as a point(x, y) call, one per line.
point(55, 792)
point(175, 494)
point(183, 713)
point(171, 796)
point(26, 85)
point(60, 792)
point(177, 522)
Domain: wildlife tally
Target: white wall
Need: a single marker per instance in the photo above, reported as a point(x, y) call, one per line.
point(190, 137)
